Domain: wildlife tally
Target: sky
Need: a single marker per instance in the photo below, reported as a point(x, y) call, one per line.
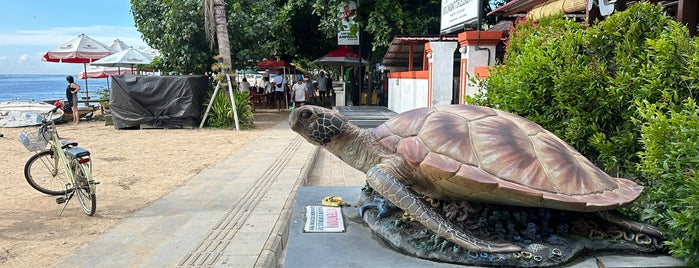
point(28, 29)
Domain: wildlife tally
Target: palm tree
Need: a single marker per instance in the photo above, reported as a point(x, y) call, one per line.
point(215, 22)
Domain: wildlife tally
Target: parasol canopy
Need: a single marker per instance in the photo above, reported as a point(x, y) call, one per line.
point(126, 58)
point(273, 63)
point(102, 72)
point(118, 45)
point(342, 56)
point(81, 49)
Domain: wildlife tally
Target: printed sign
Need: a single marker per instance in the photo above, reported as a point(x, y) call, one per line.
point(346, 16)
point(320, 219)
point(457, 13)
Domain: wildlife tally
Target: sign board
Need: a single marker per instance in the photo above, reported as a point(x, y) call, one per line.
point(322, 219)
point(347, 13)
point(457, 13)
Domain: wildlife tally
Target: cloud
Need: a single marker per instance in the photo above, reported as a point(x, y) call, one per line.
point(56, 36)
point(23, 58)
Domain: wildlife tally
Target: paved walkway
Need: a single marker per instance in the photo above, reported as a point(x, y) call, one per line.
point(234, 214)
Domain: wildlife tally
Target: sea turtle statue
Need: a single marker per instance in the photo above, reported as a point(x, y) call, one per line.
point(478, 154)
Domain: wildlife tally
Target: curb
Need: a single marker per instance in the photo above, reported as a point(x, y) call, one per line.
point(272, 254)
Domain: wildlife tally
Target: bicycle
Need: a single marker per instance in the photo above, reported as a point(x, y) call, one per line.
point(63, 169)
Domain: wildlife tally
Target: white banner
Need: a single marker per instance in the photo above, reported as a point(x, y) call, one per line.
point(457, 13)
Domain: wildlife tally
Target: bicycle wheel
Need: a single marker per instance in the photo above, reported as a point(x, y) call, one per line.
point(45, 174)
point(86, 197)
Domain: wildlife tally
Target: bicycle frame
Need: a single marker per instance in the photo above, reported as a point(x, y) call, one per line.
point(61, 158)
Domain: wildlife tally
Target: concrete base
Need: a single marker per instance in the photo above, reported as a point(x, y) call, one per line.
point(358, 247)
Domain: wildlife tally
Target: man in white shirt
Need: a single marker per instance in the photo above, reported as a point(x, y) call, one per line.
point(279, 90)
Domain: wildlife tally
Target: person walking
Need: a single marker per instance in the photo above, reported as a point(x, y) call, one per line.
point(299, 92)
point(322, 88)
point(72, 96)
point(279, 92)
point(311, 91)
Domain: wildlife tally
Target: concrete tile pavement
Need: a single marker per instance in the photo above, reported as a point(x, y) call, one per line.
point(234, 214)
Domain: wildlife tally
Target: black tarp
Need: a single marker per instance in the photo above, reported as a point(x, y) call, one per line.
point(157, 101)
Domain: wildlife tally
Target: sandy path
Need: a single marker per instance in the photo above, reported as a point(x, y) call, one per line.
point(134, 168)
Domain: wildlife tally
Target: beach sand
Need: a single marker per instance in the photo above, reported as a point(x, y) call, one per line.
point(134, 168)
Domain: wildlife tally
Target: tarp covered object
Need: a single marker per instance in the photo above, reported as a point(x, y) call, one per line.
point(157, 101)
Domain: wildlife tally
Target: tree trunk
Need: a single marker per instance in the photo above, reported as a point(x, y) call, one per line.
point(224, 48)
point(219, 23)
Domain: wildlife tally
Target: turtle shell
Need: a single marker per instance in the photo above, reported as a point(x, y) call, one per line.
point(464, 152)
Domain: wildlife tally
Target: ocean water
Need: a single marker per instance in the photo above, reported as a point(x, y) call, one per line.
point(41, 87)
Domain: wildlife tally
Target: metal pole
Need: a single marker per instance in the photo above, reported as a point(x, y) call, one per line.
point(235, 109)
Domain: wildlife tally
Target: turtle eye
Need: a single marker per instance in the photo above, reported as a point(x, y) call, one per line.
point(306, 114)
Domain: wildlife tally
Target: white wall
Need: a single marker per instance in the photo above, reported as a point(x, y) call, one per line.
point(442, 61)
point(406, 94)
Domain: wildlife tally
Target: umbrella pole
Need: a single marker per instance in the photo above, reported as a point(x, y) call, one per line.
point(87, 92)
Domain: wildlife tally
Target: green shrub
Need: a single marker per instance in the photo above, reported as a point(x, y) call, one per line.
point(601, 89)
point(221, 113)
point(580, 83)
point(671, 142)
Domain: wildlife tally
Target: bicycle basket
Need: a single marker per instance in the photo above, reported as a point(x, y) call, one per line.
point(34, 141)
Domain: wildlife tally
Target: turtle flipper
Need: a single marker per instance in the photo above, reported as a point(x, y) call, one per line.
point(393, 188)
point(385, 207)
point(616, 218)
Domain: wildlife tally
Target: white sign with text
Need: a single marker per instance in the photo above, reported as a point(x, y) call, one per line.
point(457, 13)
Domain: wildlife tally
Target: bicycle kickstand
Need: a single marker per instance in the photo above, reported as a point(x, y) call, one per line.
point(64, 200)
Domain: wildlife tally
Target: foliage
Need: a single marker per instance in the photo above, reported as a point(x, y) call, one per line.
point(176, 29)
point(380, 19)
point(221, 113)
point(671, 141)
point(602, 89)
point(581, 83)
point(257, 29)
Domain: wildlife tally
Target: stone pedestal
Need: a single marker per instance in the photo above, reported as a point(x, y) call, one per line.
point(359, 247)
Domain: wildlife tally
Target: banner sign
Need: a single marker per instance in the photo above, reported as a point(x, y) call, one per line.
point(346, 15)
point(457, 13)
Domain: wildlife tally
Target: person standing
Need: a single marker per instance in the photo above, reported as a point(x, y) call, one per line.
point(245, 86)
point(72, 95)
point(299, 92)
point(310, 88)
point(322, 88)
point(279, 90)
point(269, 93)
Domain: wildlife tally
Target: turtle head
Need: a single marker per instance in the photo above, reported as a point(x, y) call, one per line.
point(317, 124)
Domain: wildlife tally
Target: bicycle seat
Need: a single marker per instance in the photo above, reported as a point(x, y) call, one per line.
point(68, 144)
point(77, 152)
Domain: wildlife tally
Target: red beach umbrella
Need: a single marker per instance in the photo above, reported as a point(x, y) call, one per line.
point(273, 63)
point(81, 49)
point(342, 56)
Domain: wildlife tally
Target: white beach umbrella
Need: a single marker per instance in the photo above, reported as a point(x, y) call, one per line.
point(118, 45)
point(126, 58)
point(102, 72)
point(81, 49)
